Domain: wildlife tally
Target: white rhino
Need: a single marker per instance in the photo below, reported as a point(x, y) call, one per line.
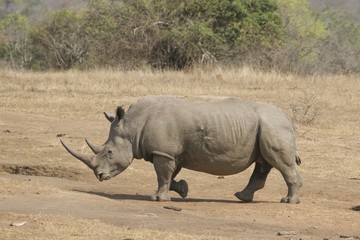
point(222, 138)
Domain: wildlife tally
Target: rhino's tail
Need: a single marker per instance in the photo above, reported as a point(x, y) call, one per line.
point(297, 160)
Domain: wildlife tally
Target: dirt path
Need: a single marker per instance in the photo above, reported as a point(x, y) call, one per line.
point(39, 179)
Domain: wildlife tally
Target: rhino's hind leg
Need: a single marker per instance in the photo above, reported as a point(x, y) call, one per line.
point(285, 161)
point(256, 182)
point(293, 182)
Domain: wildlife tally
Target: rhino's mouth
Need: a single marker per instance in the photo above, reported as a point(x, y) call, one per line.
point(102, 176)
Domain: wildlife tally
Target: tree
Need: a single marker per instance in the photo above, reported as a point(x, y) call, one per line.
point(13, 39)
point(304, 31)
point(339, 52)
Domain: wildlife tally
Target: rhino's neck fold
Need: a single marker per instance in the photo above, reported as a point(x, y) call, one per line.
point(133, 131)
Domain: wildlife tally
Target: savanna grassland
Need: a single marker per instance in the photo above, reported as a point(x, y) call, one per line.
point(59, 198)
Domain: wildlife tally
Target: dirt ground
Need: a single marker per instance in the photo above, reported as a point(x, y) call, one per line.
point(59, 198)
point(54, 196)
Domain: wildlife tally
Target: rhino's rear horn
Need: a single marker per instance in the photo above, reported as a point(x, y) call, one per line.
point(82, 157)
point(94, 148)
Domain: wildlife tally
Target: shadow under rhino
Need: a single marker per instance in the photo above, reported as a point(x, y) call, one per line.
point(139, 197)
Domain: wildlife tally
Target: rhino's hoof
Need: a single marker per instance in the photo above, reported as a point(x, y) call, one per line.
point(184, 188)
point(159, 198)
point(292, 200)
point(245, 196)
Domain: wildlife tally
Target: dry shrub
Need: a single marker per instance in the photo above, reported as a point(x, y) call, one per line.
point(307, 109)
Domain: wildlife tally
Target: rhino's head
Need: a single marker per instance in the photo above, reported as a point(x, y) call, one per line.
point(114, 156)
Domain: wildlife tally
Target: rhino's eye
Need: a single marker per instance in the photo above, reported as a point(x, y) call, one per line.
point(109, 152)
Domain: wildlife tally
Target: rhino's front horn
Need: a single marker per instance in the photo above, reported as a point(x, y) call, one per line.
point(82, 157)
point(94, 148)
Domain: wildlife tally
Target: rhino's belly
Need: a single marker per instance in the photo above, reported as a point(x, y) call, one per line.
point(218, 165)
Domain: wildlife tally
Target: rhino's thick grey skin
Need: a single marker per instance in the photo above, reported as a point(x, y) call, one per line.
point(221, 138)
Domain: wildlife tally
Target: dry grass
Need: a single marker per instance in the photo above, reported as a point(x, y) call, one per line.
point(54, 93)
point(87, 94)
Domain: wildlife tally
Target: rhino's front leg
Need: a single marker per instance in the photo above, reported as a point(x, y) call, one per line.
point(181, 187)
point(164, 168)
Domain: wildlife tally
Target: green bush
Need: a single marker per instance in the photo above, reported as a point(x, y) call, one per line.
point(218, 30)
point(304, 31)
point(121, 34)
point(58, 42)
point(164, 34)
point(317, 42)
point(13, 40)
point(287, 35)
point(339, 52)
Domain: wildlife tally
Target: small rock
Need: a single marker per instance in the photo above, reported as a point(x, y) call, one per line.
point(286, 233)
point(354, 178)
point(61, 135)
point(343, 236)
point(221, 177)
point(18, 224)
point(173, 208)
point(356, 208)
point(348, 237)
point(7, 131)
point(152, 215)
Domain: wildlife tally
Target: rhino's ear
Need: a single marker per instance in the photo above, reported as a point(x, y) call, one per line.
point(120, 112)
point(109, 117)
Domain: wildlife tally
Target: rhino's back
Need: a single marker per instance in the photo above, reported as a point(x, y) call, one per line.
point(223, 138)
point(216, 137)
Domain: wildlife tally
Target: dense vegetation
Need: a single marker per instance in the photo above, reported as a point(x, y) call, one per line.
point(286, 35)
